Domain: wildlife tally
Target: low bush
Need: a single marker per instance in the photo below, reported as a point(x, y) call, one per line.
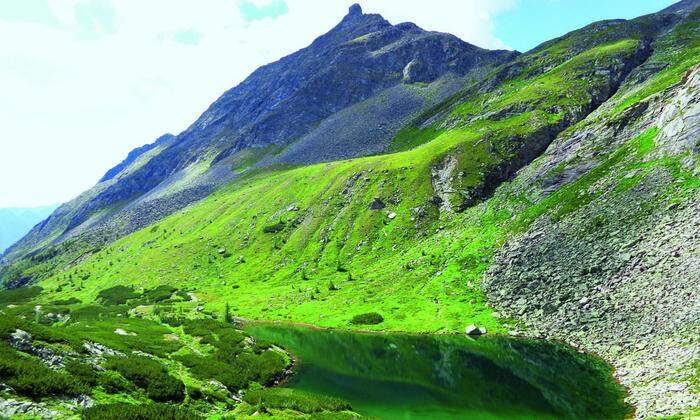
point(217, 333)
point(263, 368)
point(117, 295)
point(150, 375)
point(277, 227)
point(232, 363)
point(158, 294)
point(21, 294)
point(236, 372)
point(93, 312)
point(370, 318)
point(9, 324)
point(148, 335)
point(207, 368)
point(66, 302)
point(113, 382)
point(29, 377)
point(82, 372)
point(125, 411)
point(293, 399)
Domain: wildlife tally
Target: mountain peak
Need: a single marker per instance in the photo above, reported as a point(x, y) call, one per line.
point(355, 10)
point(683, 7)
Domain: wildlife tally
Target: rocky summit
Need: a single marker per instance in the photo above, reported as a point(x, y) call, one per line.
point(388, 178)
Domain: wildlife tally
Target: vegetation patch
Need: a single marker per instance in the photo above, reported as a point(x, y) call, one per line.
point(149, 375)
point(294, 399)
point(22, 294)
point(370, 318)
point(158, 294)
point(411, 137)
point(232, 363)
point(142, 334)
point(125, 411)
point(29, 377)
point(275, 228)
point(66, 302)
point(117, 295)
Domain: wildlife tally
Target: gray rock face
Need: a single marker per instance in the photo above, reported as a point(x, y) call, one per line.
point(13, 408)
point(22, 341)
point(619, 276)
point(99, 350)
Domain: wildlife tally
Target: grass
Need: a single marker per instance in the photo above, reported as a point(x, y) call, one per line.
point(293, 399)
point(411, 137)
point(126, 411)
point(142, 334)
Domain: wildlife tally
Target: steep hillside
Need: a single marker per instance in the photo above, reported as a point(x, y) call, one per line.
point(17, 222)
point(555, 196)
point(282, 113)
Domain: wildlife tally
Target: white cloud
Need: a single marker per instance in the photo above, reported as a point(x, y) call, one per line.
point(77, 96)
point(468, 19)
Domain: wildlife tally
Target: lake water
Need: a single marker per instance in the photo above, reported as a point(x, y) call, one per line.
point(402, 376)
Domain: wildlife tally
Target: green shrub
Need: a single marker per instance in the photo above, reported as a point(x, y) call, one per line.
point(65, 302)
point(216, 333)
point(171, 319)
point(263, 368)
point(294, 399)
point(158, 294)
point(113, 382)
point(9, 323)
point(236, 372)
point(277, 227)
point(370, 318)
point(93, 312)
point(82, 372)
point(148, 338)
point(117, 295)
point(208, 367)
point(125, 411)
point(149, 375)
point(31, 378)
point(232, 363)
point(18, 295)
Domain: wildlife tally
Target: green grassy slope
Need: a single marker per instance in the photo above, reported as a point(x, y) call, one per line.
point(303, 245)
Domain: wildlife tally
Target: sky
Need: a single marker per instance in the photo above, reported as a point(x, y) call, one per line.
point(82, 82)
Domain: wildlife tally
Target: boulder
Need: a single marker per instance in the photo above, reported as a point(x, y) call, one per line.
point(474, 330)
point(376, 204)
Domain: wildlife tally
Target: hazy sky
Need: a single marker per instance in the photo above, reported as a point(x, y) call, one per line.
point(82, 82)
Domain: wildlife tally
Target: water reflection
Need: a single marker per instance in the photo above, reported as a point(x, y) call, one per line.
point(437, 376)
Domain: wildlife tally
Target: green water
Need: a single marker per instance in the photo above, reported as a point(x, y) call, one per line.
point(398, 376)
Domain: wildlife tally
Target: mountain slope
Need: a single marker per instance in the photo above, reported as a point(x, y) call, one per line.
point(17, 222)
point(362, 65)
point(556, 196)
